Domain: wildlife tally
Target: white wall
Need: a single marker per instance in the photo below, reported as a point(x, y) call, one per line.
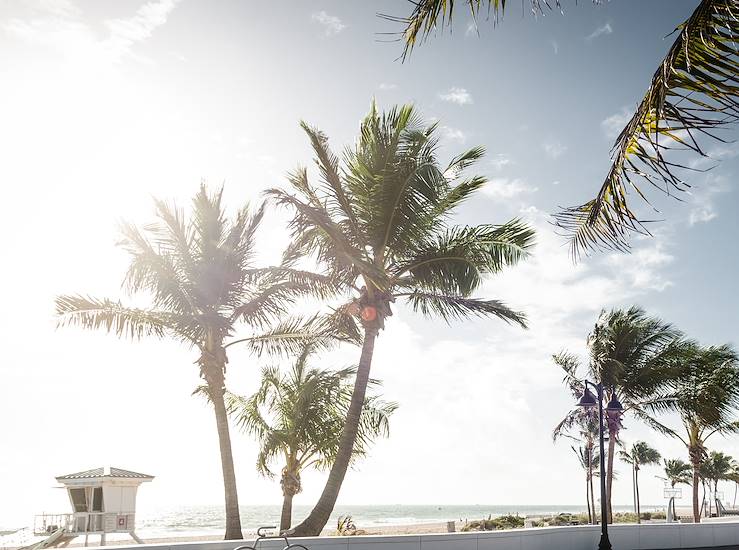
point(623, 537)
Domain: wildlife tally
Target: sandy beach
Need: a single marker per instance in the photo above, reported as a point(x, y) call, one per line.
point(415, 529)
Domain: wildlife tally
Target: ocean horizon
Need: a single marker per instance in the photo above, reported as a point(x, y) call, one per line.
point(177, 521)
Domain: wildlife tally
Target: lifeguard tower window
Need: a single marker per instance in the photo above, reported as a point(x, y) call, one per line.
point(79, 499)
point(97, 500)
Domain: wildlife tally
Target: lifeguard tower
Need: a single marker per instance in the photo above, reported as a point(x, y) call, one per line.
point(103, 501)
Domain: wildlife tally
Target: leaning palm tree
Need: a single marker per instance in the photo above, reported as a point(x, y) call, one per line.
point(693, 94)
point(379, 221)
point(199, 276)
point(640, 454)
point(625, 354)
point(703, 389)
point(298, 417)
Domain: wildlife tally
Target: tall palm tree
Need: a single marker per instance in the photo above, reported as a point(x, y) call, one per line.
point(693, 94)
point(677, 472)
point(379, 221)
point(298, 417)
point(640, 454)
point(703, 389)
point(625, 353)
point(199, 276)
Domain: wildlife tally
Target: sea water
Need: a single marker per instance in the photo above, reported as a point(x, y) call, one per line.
point(185, 521)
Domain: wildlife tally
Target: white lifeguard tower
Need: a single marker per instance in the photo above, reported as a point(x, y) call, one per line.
point(103, 501)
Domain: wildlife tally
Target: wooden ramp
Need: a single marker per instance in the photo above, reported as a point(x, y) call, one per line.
point(59, 538)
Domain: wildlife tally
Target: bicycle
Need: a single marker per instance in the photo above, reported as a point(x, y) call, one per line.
point(262, 536)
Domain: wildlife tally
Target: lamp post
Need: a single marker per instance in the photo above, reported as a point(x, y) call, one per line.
point(590, 400)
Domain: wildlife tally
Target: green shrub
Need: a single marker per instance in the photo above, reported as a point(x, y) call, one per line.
point(494, 524)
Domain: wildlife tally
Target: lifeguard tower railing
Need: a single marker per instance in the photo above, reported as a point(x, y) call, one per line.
point(84, 522)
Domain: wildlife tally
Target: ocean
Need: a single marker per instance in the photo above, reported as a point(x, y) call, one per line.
point(203, 520)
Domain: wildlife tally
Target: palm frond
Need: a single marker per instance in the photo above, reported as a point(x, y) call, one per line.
point(694, 94)
point(450, 307)
point(455, 260)
point(428, 16)
point(93, 313)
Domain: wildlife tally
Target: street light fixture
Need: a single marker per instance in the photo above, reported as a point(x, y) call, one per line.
point(614, 406)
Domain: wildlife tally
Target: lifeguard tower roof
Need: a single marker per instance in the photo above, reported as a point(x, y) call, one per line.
point(105, 472)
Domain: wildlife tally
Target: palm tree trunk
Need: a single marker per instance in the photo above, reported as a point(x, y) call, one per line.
point(696, 482)
point(592, 501)
point(233, 520)
point(587, 498)
point(609, 479)
point(633, 486)
point(286, 517)
point(636, 492)
point(317, 519)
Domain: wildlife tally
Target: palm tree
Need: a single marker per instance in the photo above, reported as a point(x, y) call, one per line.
point(641, 454)
point(584, 421)
point(380, 223)
point(587, 458)
point(202, 286)
point(693, 95)
point(716, 467)
point(703, 389)
point(626, 349)
point(298, 418)
point(677, 472)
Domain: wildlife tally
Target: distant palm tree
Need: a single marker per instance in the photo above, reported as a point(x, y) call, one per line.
point(703, 389)
point(298, 418)
point(716, 467)
point(583, 422)
point(626, 349)
point(380, 221)
point(692, 95)
point(640, 454)
point(588, 458)
point(202, 285)
point(677, 472)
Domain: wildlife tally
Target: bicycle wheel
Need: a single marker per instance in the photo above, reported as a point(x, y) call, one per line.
point(295, 547)
point(245, 548)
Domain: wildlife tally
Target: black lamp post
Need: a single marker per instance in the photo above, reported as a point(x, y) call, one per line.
point(590, 400)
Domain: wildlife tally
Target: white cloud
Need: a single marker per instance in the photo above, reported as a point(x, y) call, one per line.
point(703, 206)
point(460, 96)
point(613, 124)
point(642, 266)
point(453, 134)
point(58, 25)
point(555, 47)
point(604, 29)
point(500, 161)
point(505, 188)
point(554, 149)
point(331, 24)
point(385, 86)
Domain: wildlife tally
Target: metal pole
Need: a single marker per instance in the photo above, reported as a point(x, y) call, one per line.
point(604, 544)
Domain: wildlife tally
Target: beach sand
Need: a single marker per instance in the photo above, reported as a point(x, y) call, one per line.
point(417, 529)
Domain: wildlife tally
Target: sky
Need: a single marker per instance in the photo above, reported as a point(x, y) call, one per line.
point(107, 104)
